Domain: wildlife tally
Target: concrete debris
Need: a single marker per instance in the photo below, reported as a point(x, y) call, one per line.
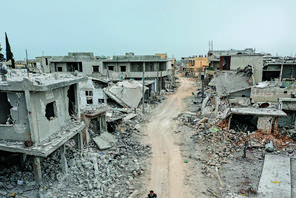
point(101, 143)
point(227, 82)
point(269, 146)
point(126, 93)
point(204, 120)
point(130, 116)
point(90, 172)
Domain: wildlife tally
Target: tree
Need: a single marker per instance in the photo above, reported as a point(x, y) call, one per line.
point(1, 55)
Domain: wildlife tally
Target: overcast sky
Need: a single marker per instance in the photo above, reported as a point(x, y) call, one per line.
point(176, 27)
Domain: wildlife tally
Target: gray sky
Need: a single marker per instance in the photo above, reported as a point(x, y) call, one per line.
point(178, 28)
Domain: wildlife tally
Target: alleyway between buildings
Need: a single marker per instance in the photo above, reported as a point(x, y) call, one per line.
point(167, 170)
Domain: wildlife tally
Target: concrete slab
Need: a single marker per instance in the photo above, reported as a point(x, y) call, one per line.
point(101, 143)
point(130, 116)
point(108, 137)
point(46, 147)
point(104, 141)
point(275, 181)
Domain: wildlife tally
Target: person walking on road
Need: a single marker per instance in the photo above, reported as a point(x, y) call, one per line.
point(152, 194)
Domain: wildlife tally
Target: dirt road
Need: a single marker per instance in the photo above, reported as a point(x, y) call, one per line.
point(167, 171)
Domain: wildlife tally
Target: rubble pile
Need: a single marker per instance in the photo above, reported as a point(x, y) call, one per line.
point(90, 172)
point(188, 119)
point(279, 141)
point(220, 145)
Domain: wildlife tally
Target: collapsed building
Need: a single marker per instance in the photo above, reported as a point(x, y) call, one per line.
point(44, 117)
point(126, 93)
point(156, 70)
point(244, 78)
point(39, 114)
point(228, 60)
point(250, 104)
point(279, 68)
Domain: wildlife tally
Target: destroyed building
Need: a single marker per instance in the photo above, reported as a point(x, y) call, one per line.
point(214, 56)
point(279, 68)
point(251, 119)
point(102, 70)
point(91, 92)
point(131, 66)
point(127, 93)
point(288, 105)
point(236, 60)
point(84, 62)
point(95, 121)
point(39, 113)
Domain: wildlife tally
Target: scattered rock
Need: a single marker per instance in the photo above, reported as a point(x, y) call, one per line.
point(269, 147)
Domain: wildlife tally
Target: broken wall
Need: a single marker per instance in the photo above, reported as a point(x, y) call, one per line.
point(289, 71)
point(239, 101)
point(289, 107)
point(59, 115)
point(227, 82)
point(241, 61)
point(5, 108)
point(17, 128)
point(265, 123)
point(97, 93)
point(268, 94)
point(87, 68)
point(241, 93)
point(287, 120)
point(55, 65)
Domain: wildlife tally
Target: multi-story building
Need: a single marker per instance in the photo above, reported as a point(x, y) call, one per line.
point(39, 113)
point(236, 59)
point(196, 65)
point(84, 62)
point(131, 66)
point(279, 68)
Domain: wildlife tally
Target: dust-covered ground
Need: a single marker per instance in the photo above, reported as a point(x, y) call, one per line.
point(192, 162)
point(218, 161)
point(225, 173)
point(198, 156)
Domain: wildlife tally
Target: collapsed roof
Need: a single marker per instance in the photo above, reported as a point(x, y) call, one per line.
point(126, 93)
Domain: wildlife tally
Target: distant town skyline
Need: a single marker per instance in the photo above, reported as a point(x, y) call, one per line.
point(178, 28)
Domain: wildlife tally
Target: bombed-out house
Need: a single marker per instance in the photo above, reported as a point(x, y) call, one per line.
point(95, 121)
point(91, 92)
point(240, 95)
point(228, 60)
point(84, 62)
point(131, 66)
point(39, 114)
point(80, 62)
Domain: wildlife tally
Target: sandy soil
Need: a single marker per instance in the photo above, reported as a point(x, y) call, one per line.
point(168, 167)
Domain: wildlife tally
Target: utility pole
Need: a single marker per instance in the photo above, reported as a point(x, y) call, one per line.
point(173, 76)
point(202, 88)
point(27, 66)
point(143, 110)
point(26, 57)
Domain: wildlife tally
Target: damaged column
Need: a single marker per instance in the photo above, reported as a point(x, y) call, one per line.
point(265, 123)
point(37, 170)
